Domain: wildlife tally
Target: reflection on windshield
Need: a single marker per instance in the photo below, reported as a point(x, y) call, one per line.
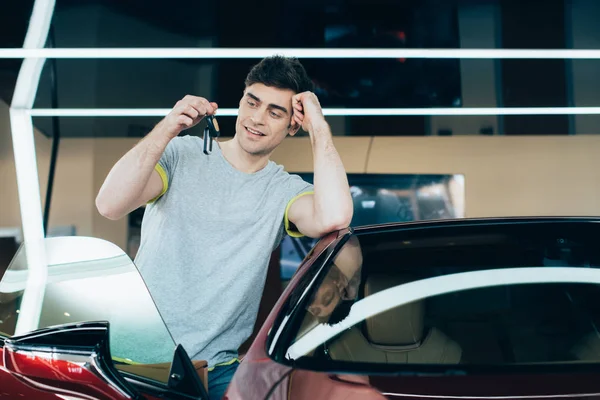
point(93, 280)
point(339, 289)
point(399, 302)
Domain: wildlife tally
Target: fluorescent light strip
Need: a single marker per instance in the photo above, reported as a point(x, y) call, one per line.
point(229, 112)
point(220, 53)
point(31, 68)
point(26, 167)
point(31, 220)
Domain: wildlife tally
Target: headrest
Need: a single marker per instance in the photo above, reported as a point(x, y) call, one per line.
point(399, 326)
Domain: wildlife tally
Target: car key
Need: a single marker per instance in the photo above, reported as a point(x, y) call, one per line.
point(210, 131)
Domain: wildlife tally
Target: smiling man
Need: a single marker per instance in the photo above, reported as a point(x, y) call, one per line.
point(212, 221)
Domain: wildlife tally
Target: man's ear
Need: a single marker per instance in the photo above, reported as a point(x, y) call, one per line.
point(293, 128)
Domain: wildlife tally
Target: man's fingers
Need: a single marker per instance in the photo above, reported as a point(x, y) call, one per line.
point(200, 104)
point(208, 108)
point(190, 112)
point(184, 120)
point(184, 109)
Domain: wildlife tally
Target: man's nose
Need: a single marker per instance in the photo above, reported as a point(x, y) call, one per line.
point(259, 116)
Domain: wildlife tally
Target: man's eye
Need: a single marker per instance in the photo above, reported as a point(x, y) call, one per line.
point(328, 297)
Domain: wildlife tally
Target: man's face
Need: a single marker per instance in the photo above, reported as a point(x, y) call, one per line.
point(335, 288)
point(264, 118)
point(342, 281)
point(327, 297)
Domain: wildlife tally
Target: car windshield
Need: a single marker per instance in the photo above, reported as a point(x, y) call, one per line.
point(487, 296)
point(93, 280)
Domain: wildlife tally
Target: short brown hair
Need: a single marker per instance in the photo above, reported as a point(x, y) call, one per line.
point(280, 72)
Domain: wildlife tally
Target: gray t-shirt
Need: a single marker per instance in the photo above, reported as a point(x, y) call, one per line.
point(206, 244)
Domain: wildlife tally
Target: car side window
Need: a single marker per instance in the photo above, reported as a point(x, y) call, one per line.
point(470, 300)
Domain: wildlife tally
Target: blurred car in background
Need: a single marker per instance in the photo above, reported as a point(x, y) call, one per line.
point(100, 335)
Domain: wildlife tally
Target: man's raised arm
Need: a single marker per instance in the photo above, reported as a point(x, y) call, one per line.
point(133, 180)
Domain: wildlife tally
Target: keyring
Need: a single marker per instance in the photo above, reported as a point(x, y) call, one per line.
point(210, 131)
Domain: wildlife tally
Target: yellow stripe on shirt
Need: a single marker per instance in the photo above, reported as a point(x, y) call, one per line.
point(165, 181)
point(286, 221)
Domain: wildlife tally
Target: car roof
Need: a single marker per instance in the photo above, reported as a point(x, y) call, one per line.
point(474, 221)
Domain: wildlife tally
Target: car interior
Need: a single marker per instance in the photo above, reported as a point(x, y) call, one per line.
point(502, 325)
point(397, 336)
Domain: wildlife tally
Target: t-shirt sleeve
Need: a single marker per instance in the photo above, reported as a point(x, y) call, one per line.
point(296, 188)
point(167, 164)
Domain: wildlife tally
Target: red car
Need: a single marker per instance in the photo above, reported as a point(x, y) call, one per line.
point(463, 309)
point(469, 309)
